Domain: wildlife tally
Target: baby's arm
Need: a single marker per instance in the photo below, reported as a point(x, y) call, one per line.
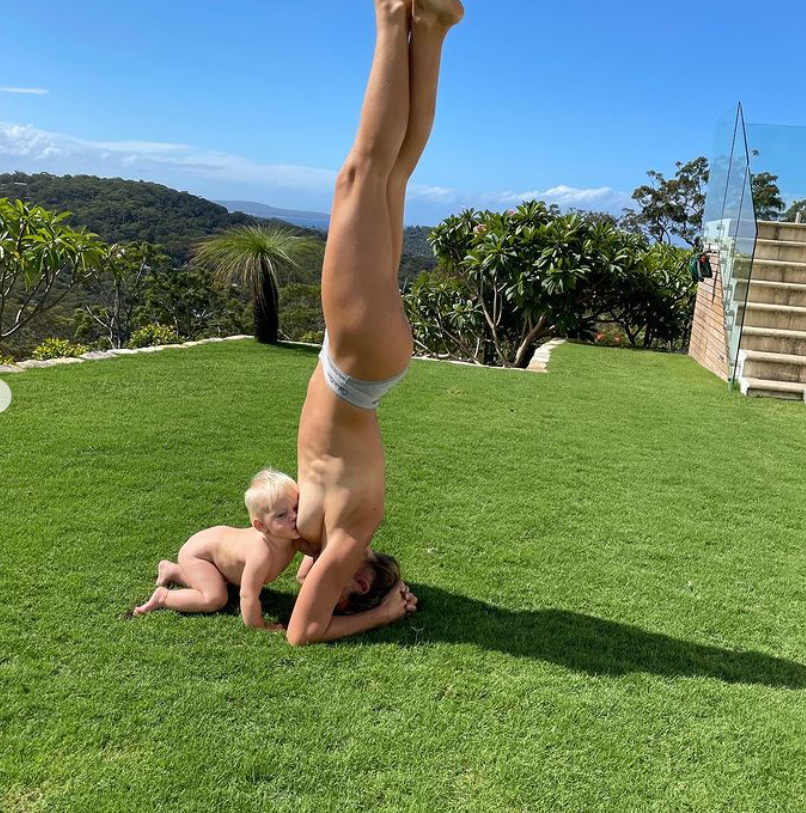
point(254, 575)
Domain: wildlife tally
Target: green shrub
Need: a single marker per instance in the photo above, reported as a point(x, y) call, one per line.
point(506, 281)
point(58, 349)
point(301, 312)
point(611, 337)
point(152, 335)
point(4, 360)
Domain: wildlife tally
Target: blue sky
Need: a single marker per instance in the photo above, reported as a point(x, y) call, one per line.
point(258, 99)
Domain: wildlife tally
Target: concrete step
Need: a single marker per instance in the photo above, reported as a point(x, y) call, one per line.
point(774, 230)
point(777, 293)
point(779, 271)
point(762, 388)
point(792, 250)
point(770, 340)
point(782, 317)
point(772, 366)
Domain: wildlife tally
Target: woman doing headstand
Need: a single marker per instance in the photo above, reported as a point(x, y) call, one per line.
point(368, 341)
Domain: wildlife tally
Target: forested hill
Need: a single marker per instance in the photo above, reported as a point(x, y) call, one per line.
point(122, 211)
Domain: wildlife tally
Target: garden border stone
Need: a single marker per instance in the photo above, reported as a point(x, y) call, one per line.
point(100, 355)
point(538, 364)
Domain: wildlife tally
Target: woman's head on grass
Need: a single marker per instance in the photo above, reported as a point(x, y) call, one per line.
point(370, 585)
point(271, 500)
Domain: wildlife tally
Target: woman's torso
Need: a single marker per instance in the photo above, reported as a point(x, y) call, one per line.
point(341, 467)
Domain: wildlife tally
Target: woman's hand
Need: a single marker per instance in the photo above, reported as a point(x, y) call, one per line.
point(400, 601)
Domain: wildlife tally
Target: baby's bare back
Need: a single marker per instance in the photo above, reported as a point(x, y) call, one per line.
point(229, 549)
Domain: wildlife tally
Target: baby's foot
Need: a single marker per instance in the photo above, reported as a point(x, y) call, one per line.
point(163, 573)
point(445, 12)
point(156, 601)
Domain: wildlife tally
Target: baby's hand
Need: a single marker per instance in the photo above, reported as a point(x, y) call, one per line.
point(399, 602)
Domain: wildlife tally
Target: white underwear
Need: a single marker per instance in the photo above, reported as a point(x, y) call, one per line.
point(362, 394)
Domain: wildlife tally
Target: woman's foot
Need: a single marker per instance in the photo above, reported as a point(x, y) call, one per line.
point(156, 601)
point(446, 13)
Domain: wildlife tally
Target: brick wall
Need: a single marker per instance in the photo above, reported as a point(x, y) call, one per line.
point(708, 345)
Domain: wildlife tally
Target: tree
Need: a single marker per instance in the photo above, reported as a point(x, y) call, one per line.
point(193, 302)
point(652, 297)
point(41, 261)
point(671, 207)
point(798, 207)
point(767, 199)
point(506, 281)
point(118, 288)
point(258, 257)
point(302, 318)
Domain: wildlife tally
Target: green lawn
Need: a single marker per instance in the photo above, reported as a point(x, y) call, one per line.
point(610, 561)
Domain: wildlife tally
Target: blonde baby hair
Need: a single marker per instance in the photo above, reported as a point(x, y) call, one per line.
point(266, 488)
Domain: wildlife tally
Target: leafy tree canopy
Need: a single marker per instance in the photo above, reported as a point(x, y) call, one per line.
point(767, 198)
point(671, 208)
point(798, 207)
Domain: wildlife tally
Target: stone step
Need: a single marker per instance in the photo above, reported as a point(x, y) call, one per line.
point(776, 293)
point(770, 340)
point(764, 388)
point(782, 317)
point(772, 366)
point(774, 230)
point(779, 271)
point(781, 250)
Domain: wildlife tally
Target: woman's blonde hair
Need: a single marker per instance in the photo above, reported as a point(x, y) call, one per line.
point(387, 575)
point(266, 488)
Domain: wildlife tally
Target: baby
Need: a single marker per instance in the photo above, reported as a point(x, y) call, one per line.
point(249, 557)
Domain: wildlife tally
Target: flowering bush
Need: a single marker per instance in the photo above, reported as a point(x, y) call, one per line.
point(508, 280)
point(610, 338)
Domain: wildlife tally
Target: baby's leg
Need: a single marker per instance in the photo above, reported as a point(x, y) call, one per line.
point(207, 589)
point(170, 573)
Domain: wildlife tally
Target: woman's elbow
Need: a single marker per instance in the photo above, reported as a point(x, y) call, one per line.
point(297, 636)
point(295, 639)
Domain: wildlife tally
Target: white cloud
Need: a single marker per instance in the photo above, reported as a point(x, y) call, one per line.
point(29, 91)
point(600, 197)
point(434, 194)
point(219, 175)
point(31, 149)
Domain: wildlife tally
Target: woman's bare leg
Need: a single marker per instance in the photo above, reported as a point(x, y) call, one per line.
point(431, 21)
point(363, 318)
point(369, 334)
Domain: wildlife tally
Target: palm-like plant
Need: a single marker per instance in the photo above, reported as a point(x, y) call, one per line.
point(258, 257)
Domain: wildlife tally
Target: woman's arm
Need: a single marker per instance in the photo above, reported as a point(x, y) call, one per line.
point(312, 620)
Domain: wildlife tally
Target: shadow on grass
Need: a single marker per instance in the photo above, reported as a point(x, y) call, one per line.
point(587, 644)
point(582, 643)
point(274, 604)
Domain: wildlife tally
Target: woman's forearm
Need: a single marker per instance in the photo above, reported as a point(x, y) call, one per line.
point(340, 626)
